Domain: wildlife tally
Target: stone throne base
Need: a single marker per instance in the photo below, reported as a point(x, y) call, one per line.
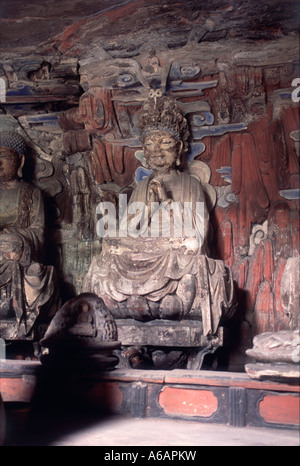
point(165, 344)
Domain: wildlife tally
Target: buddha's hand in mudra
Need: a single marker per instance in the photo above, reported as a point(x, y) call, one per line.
point(157, 191)
point(11, 247)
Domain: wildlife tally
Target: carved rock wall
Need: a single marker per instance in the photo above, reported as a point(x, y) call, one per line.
point(79, 113)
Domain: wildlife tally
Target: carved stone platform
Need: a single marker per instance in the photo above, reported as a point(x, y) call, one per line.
point(203, 396)
point(185, 333)
point(185, 337)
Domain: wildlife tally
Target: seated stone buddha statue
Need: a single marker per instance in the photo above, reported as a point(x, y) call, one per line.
point(157, 265)
point(27, 288)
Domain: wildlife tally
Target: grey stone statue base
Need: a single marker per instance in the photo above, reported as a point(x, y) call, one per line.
point(276, 355)
point(165, 344)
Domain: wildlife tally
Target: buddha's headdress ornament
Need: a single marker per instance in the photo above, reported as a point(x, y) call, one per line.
point(14, 141)
point(160, 112)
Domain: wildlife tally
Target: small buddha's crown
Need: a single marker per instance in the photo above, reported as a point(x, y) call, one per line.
point(13, 140)
point(160, 112)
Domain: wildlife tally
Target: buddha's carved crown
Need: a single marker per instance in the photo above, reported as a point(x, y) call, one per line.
point(13, 140)
point(163, 113)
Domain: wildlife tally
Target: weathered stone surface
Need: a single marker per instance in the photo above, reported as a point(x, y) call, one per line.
point(277, 372)
point(290, 292)
point(125, 28)
point(277, 356)
point(161, 333)
point(280, 346)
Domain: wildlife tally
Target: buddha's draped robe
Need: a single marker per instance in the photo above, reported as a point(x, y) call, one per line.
point(152, 266)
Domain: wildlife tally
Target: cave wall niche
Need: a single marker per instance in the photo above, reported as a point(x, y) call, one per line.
point(78, 111)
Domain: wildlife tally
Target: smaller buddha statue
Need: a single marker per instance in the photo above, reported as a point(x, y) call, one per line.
point(28, 292)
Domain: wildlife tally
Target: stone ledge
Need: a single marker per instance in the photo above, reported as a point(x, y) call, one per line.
point(186, 333)
point(204, 396)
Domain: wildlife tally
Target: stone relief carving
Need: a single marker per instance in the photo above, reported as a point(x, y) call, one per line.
point(258, 234)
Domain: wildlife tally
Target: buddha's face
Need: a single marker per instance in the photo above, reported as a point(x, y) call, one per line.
point(162, 150)
point(9, 164)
